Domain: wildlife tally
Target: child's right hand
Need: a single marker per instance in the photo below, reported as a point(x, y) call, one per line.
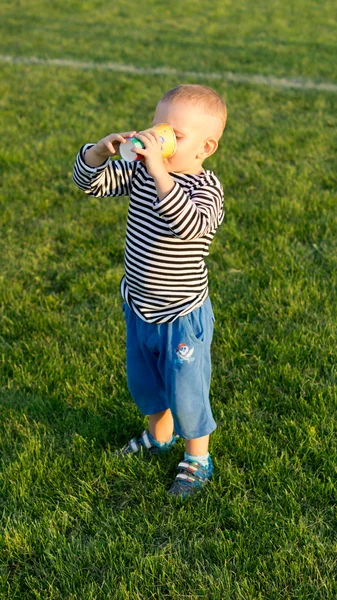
point(108, 146)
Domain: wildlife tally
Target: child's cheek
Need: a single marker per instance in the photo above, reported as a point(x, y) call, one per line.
point(179, 147)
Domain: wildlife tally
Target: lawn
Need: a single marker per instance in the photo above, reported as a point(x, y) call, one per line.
point(75, 522)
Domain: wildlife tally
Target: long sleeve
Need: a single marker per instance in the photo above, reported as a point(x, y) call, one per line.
point(190, 217)
point(112, 178)
point(166, 241)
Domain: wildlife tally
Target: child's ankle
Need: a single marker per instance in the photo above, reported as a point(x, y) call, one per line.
point(202, 460)
point(159, 444)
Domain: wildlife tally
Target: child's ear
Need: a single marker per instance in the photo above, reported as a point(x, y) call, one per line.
point(208, 148)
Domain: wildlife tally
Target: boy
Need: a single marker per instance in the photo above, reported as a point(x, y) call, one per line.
point(175, 208)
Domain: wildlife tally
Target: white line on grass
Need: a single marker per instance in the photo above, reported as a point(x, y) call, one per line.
point(301, 84)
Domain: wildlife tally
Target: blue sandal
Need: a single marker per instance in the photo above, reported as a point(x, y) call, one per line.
point(192, 476)
point(144, 442)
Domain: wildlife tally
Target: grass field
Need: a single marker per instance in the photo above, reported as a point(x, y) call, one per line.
point(76, 523)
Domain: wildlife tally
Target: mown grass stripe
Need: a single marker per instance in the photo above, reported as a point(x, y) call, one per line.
point(283, 82)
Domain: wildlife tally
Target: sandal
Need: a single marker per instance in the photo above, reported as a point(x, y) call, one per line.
point(192, 476)
point(144, 442)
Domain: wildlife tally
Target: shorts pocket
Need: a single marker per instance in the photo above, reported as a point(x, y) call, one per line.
point(195, 324)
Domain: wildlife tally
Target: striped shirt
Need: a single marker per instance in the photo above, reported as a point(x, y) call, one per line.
point(166, 240)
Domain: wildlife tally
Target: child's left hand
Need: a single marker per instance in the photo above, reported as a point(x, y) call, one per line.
point(151, 152)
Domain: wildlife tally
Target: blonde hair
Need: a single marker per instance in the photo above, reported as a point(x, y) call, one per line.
point(200, 95)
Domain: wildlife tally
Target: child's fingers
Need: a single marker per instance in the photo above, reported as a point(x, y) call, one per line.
point(148, 137)
point(142, 151)
point(127, 134)
point(119, 137)
point(110, 147)
point(148, 133)
point(111, 142)
point(155, 135)
point(143, 137)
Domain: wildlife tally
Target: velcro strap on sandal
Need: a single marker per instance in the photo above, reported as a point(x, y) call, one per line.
point(190, 478)
point(134, 445)
point(146, 440)
point(187, 467)
point(189, 471)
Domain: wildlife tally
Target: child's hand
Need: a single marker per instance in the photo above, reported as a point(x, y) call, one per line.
point(151, 152)
point(108, 146)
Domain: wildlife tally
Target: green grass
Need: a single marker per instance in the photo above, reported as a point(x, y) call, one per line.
point(76, 523)
point(279, 38)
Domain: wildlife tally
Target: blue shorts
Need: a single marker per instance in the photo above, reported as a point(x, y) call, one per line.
point(169, 366)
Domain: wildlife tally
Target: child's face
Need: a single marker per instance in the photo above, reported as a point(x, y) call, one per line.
point(192, 128)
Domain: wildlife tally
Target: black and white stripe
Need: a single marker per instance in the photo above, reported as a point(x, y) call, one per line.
point(166, 240)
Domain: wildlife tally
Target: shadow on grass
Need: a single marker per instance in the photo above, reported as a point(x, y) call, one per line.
point(108, 428)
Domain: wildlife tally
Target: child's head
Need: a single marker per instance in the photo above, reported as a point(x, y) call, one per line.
point(198, 116)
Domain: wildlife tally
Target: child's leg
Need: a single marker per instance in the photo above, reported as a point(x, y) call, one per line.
point(161, 425)
point(144, 382)
point(195, 470)
point(187, 376)
point(198, 446)
point(185, 365)
point(197, 450)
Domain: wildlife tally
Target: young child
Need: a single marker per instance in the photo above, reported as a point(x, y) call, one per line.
point(175, 208)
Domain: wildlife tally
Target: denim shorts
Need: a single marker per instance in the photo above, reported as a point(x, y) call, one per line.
point(168, 365)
